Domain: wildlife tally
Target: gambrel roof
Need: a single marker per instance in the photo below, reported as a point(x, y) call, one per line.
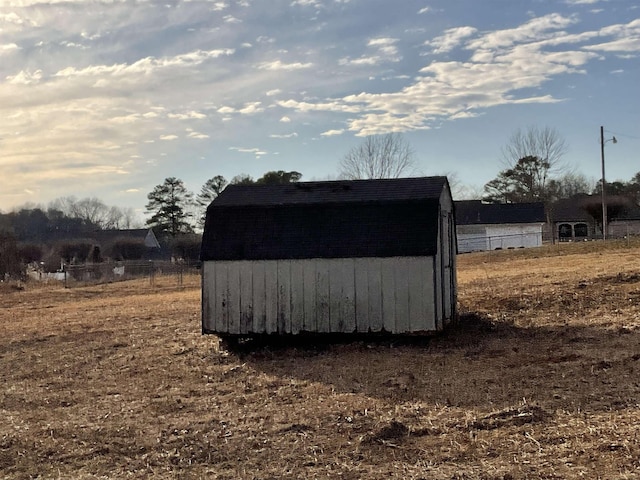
point(336, 219)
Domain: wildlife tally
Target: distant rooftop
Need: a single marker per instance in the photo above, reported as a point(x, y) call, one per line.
point(474, 212)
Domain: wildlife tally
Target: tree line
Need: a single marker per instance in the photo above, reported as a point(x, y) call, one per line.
point(534, 170)
point(60, 231)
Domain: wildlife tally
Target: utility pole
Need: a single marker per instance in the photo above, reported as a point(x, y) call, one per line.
point(604, 183)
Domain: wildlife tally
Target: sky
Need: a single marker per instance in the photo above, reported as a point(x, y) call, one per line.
point(107, 98)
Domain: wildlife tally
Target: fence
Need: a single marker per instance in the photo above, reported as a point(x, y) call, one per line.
point(96, 273)
point(492, 241)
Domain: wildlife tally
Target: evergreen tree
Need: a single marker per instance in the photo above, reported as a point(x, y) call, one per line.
point(168, 204)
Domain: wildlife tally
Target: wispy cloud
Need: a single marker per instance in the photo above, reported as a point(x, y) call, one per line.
point(332, 133)
point(384, 50)
point(502, 65)
point(284, 135)
point(254, 151)
point(450, 39)
point(279, 65)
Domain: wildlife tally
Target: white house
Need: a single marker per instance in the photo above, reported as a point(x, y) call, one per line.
point(491, 226)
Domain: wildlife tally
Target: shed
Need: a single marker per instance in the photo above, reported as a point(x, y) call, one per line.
point(337, 257)
point(493, 226)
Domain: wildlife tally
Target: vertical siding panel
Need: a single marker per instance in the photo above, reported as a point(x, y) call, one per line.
point(428, 290)
point(417, 319)
point(374, 280)
point(336, 278)
point(388, 294)
point(220, 310)
point(284, 296)
point(361, 280)
point(297, 296)
point(271, 296)
point(348, 295)
point(401, 277)
point(323, 298)
point(309, 288)
point(259, 298)
point(233, 296)
point(246, 296)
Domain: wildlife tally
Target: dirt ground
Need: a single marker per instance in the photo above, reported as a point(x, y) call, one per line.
point(540, 379)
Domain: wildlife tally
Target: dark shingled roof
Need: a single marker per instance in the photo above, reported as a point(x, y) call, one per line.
point(338, 219)
point(581, 208)
point(474, 212)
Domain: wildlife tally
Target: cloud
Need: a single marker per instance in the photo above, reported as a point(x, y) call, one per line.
point(25, 77)
point(450, 39)
point(385, 50)
point(287, 135)
point(502, 65)
point(168, 137)
point(278, 65)
point(251, 108)
point(146, 66)
point(331, 133)
point(329, 106)
point(8, 47)
point(197, 135)
point(534, 30)
point(255, 151)
point(285, 119)
point(192, 115)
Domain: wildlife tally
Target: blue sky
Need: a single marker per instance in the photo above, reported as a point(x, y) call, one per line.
point(107, 98)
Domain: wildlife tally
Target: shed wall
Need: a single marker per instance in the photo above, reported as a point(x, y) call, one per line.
point(349, 295)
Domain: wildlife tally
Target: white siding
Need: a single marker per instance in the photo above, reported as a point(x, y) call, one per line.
point(514, 236)
point(492, 237)
point(319, 295)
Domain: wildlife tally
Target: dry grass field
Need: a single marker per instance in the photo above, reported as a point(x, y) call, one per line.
point(540, 379)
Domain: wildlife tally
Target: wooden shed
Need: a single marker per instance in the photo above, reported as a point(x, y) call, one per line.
point(337, 257)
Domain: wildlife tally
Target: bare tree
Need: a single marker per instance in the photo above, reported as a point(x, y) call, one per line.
point(379, 156)
point(569, 185)
point(531, 157)
point(544, 143)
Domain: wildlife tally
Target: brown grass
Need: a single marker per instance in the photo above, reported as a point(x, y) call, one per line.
point(541, 379)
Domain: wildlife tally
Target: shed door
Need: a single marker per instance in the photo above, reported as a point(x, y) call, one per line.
point(447, 259)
